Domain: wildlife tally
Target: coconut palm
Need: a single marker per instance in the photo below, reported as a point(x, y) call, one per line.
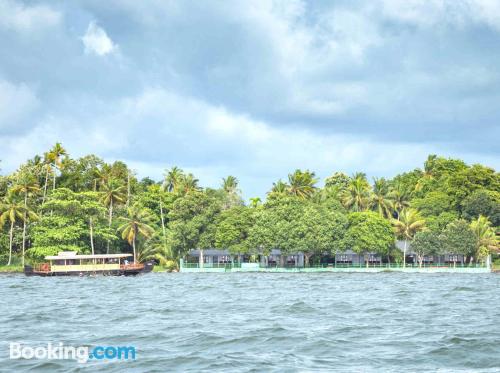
point(379, 200)
point(173, 178)
point(135, 225)
point(302, 184)
point(409, 222)
point(356, 196)
point(230, 184)
point(399, 198)
point(255, 202)
point(26, 186)
point(486, 237)
point(55, 156)
point(279, 187)
point(188, 183)
point(13, 211)
point(46, 168)
point(113, 193)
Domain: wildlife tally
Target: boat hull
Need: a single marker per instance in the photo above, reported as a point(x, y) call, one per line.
point(132, 271)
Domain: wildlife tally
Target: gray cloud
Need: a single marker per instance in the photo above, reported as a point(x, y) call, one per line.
point(255, 89)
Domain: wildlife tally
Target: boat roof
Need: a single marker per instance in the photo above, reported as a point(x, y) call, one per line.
point(74, 255)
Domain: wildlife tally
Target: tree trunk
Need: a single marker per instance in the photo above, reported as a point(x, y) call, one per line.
point(10, 241)
point(128, 188)
point(133, 247)
point(91, 234)
point(110, 221)
point(307, 256)
point(45, 185)
point(24, 224)
point(404, 254)
point(201, 258)
point(163, 222)
point(54, 179)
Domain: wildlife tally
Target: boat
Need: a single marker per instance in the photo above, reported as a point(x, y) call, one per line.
point(69, 263)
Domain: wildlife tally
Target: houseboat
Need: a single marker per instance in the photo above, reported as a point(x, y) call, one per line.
point(69, 263)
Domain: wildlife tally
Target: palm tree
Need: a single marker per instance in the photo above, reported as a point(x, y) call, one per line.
point(356, 196)
point(255, 202)
point(26, 186)
point(188, 183)
point(135, 224)
point(13, 211)
point(55, 155)
point(302, 184)
point(428, 173)
point(230, 184)
point(279, 187)
point(231, 191)
point(486, 237)
point(379, 200)
point(409, 222)
point(47, 167)
point(399, 198)
point(173, 178)
point(113, 193)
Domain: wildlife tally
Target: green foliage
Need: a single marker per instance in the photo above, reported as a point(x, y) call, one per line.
point(192, 221)
point(458, 238)
point(426, 243)
point(232, 229)
point(482, 202)
point(368, 232)
point(433, 204)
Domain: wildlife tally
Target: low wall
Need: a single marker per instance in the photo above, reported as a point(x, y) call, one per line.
point(345, 270)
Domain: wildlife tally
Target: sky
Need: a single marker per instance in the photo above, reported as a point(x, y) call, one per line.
point(254, 89)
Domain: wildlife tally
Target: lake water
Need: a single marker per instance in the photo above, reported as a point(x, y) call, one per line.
point(263, 322)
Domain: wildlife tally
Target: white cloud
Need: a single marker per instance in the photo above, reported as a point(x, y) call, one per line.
point(97, 41)
point(27, 18)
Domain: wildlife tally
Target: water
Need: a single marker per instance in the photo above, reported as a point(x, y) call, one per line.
point(244, 322)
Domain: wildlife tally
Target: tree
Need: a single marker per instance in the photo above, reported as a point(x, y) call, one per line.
point(409, 222)
point(379, 200)
point(255, 202)
point(192, 222)
point(433, 203)
point(77, 223)
point(279, 188)
point(482, 202)
point(232, 228)
point(426, 243)
point(356, 196)
point(13, 211)
point(188, 183)
point(486, 238)
point(55, 155)
point(458, 238)
point(302, 184)
point(26, 186)
point(368, 232)
point(136, 224)
point(173, 179)
point(231, 192)
point(400, 198)
point(338, 180)
point(317, 231)
point(113, 193)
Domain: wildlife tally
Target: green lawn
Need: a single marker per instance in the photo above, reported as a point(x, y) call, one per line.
point(11, 268)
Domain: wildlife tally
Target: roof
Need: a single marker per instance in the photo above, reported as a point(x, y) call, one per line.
point(72, 255)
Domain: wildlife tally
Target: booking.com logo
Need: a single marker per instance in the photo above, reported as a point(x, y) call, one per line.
point(81, 354)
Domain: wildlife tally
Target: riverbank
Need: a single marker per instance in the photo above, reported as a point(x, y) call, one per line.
point(11, 269)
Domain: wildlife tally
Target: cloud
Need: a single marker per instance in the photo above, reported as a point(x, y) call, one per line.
point(97, 41)
point(24, 18)
point(17, 104)
point(257, 89)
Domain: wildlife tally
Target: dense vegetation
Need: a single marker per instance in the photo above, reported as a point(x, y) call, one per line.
point(54, 203)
